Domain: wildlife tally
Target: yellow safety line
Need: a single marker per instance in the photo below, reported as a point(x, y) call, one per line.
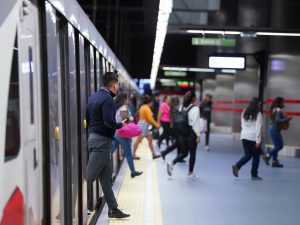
point(139, 196)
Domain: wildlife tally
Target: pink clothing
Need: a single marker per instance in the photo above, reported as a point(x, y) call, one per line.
point(166, 112)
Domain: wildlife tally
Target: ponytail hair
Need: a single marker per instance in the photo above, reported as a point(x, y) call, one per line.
point(188, 98)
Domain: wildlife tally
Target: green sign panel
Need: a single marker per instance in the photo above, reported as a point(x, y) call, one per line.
point(213, 42)
point(170, 73)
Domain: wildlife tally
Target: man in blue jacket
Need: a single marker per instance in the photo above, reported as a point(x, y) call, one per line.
point(102, 125)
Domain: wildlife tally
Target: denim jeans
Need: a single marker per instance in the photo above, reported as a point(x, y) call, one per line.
point(126, 146)
point(250, 152)
point(276, 136)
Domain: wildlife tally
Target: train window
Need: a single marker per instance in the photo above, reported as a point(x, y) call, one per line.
point(31, 85)
point(103, 65)
point(12, 139)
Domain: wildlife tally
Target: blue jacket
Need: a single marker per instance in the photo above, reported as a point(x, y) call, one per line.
point(101, 112)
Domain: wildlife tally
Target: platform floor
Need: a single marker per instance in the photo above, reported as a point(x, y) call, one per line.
point(216, 198)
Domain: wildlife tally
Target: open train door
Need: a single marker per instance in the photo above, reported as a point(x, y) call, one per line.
point(30, 107)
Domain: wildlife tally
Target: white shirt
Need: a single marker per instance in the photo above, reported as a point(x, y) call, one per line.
point(194, 119)
point(251, 129)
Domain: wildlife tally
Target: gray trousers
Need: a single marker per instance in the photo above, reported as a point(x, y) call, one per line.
point(99, 166)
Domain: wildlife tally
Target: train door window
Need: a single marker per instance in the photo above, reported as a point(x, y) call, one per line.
point(97, 70)
point(12, 138)
point(92, 78)
point(100, 70)
point(103, 65)
point(107, 66)
point(87, 65)
point(55, 181)
point(83, 153)
point(71, 119)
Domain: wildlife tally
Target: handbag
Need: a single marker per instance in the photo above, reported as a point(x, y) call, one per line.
point(129, 131)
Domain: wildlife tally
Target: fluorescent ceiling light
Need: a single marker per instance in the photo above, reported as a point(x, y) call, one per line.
point(253, 33)
point(175, 68)
point(228, 71)
point(165, 8)
point(213, 32)
point(226, 62)
point(207, 70)
point(278, 34)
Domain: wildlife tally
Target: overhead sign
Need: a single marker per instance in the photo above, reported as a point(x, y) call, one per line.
point(170, 73)
point(213, 42)
point(227, 62)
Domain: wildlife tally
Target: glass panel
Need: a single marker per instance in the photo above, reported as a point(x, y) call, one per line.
point(72, 123)
point(56, 172)
point(92, 78)
point(97, 71)
point(31, 86)
point(12, 138)
point(84, 153)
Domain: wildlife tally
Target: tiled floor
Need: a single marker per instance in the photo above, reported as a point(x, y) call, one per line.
point(217, 197)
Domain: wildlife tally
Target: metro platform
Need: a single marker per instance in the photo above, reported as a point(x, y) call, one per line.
point(216, 198)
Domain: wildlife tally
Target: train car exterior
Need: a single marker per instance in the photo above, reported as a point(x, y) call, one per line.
point(52, 58)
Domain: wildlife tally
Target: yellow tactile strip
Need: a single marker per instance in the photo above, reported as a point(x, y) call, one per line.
point(139, 196)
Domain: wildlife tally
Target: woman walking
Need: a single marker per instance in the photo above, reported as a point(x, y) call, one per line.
point(123, 113)
point(146, 119)
point(251, 121)
point(188, 142)
point(278, 122)
point(164, 116)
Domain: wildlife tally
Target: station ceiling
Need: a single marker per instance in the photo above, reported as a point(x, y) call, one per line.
point(129, 27)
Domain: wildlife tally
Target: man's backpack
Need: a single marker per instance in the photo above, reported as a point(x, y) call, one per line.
point(181, 121)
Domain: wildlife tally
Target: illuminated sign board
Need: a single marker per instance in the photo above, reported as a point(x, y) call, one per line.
point(227, 62)
point(169, 73)
point(213, 42)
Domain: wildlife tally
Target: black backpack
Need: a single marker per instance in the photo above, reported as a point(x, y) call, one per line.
point(181, 121)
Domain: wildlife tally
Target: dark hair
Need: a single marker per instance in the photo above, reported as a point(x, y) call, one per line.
point(188, 98)
point(121, 99)
point(146, 99)
point(175, 100)
point(277, 103)
point(156, 93)
point(165, 98)
point(109, 77)
point(252, 110)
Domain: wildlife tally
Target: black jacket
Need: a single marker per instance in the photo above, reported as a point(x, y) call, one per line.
point(205, 110)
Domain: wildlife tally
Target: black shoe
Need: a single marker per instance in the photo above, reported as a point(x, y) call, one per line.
point(182, 161)
point(235, 171)
point(163, 155)
point(136, 157)
point(117, 214)
point(267, 158)
point(136, 173)
point(256, 178)
point(155, 156)
point(158, 144)
point(277, 164)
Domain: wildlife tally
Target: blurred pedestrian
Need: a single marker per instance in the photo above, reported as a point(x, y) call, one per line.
point(145, 120)
point(205, 114)
point(164, 116)
point(190, 135)
point(251, 122)
point(279, 122)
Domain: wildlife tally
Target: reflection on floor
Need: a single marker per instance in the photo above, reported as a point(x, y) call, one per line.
point(216, 198)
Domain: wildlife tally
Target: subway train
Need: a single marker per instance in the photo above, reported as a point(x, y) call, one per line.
point(52, 58)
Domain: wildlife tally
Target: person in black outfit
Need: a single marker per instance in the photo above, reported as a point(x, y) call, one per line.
point(176, 144)
point(102, 125)
point(205, 113)
point(155, 105)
